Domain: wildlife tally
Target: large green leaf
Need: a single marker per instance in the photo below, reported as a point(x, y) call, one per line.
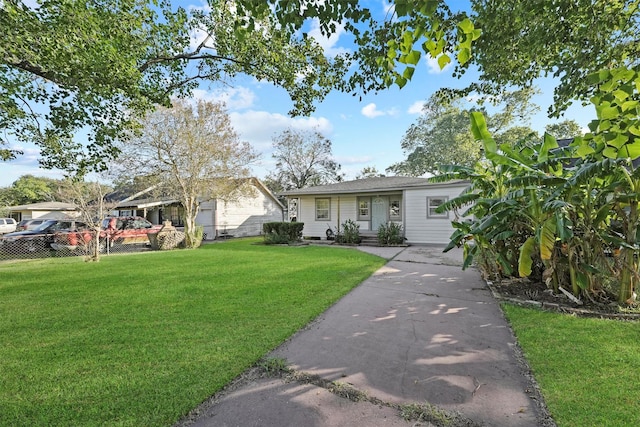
point(547, 238)
point(443, 60)
point(466, 26)
point(481, 132)
point(525, 261)
point(548, 143)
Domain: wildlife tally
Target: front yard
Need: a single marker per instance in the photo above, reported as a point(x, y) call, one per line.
point(588, 369)
point(141, 339)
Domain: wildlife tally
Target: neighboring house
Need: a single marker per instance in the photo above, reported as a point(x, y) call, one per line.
point(372, 202)
point(238, 218)
point(48, 210)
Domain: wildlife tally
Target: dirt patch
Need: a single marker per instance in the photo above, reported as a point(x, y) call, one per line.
point(523, 291)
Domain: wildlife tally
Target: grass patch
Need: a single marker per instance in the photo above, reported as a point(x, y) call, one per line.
point(588, 369)
point(141, 339)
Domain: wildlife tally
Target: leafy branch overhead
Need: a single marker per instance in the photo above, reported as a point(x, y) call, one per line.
point(80, 67)
point(70, 67)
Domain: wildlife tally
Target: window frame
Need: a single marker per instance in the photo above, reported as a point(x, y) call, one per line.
point(393, 217)
point(430, 207)
point(366, 200)
point(328, 208)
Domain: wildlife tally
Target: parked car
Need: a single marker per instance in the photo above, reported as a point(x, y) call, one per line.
point(115, 231)
point(7, 225)
point(37, 240)
point(31, 223)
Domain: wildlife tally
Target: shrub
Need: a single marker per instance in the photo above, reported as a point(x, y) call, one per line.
point(390, 234)
point(350, 233)
point(282, 232)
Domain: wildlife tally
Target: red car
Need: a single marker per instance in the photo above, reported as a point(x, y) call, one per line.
point(125, 230)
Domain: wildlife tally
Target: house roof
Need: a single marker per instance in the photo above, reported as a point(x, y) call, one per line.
point(140, 203)
point(44, 206)
point(370, 185)
point(145, 203)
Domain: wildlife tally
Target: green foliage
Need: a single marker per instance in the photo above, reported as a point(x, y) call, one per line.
point(590, 36)
point(30, 189)
point(101, 66)
point(282, 232)
point(390, 234)
point(350, 233)
point(143, 339)
point(557, 213)
point(441, 135)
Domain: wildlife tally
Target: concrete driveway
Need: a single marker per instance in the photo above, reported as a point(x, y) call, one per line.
point(419, 330)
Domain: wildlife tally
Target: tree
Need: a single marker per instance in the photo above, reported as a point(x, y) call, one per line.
point(69, 67)
point(32, 189)
point(568, 40)
point(368, 172)
point(566, 129)
point(196, 154)
point(565, 39)
point(29, 189)
point(303, 159)
point(89, 197)
point(442, 136)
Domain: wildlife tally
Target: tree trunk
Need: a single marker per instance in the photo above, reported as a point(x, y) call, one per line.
point(627, 256)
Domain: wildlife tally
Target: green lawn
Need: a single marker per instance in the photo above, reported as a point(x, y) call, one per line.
point(141, 339)
point(588, 369)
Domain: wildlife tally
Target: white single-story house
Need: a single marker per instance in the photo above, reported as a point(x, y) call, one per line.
point(46, 210)
point(238, 218)
point(372, 202)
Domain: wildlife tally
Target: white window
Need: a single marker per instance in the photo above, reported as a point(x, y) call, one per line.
point(293, 210)
point(432, 204)
point(364, 209)
point(323, 209)
point(394, 209)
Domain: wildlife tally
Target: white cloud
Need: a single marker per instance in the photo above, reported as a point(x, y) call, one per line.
point(434, 68)
point(328, 43)
point(235, 98)
point(416, 107)
point(259, 127)
point(371, 111)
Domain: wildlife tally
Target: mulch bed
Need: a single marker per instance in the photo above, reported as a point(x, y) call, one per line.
point(523, 291)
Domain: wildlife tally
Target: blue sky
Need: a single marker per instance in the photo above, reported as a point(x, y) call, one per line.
point(364, 132)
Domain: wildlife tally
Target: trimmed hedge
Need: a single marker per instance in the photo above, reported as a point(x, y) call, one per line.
point(282, 232)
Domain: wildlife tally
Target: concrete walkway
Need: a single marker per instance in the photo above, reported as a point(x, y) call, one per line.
point(419, 330)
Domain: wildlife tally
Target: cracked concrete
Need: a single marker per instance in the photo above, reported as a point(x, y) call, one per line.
point(419, 330)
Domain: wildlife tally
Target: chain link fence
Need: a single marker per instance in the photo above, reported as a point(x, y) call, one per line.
point(45, 246)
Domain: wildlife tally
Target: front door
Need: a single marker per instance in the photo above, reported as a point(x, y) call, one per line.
point(378, 212)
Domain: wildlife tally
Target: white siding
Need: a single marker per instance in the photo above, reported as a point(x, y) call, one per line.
point(245, 216)
point(318, 228)
point(207, 218)
point(418, 227)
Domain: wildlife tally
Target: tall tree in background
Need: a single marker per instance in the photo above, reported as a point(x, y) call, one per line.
point(72, 66)
point(564, 129)
point(303, 159)
point(30, 189)
point(369, 172)
point(442, 135)
point(196, 154)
